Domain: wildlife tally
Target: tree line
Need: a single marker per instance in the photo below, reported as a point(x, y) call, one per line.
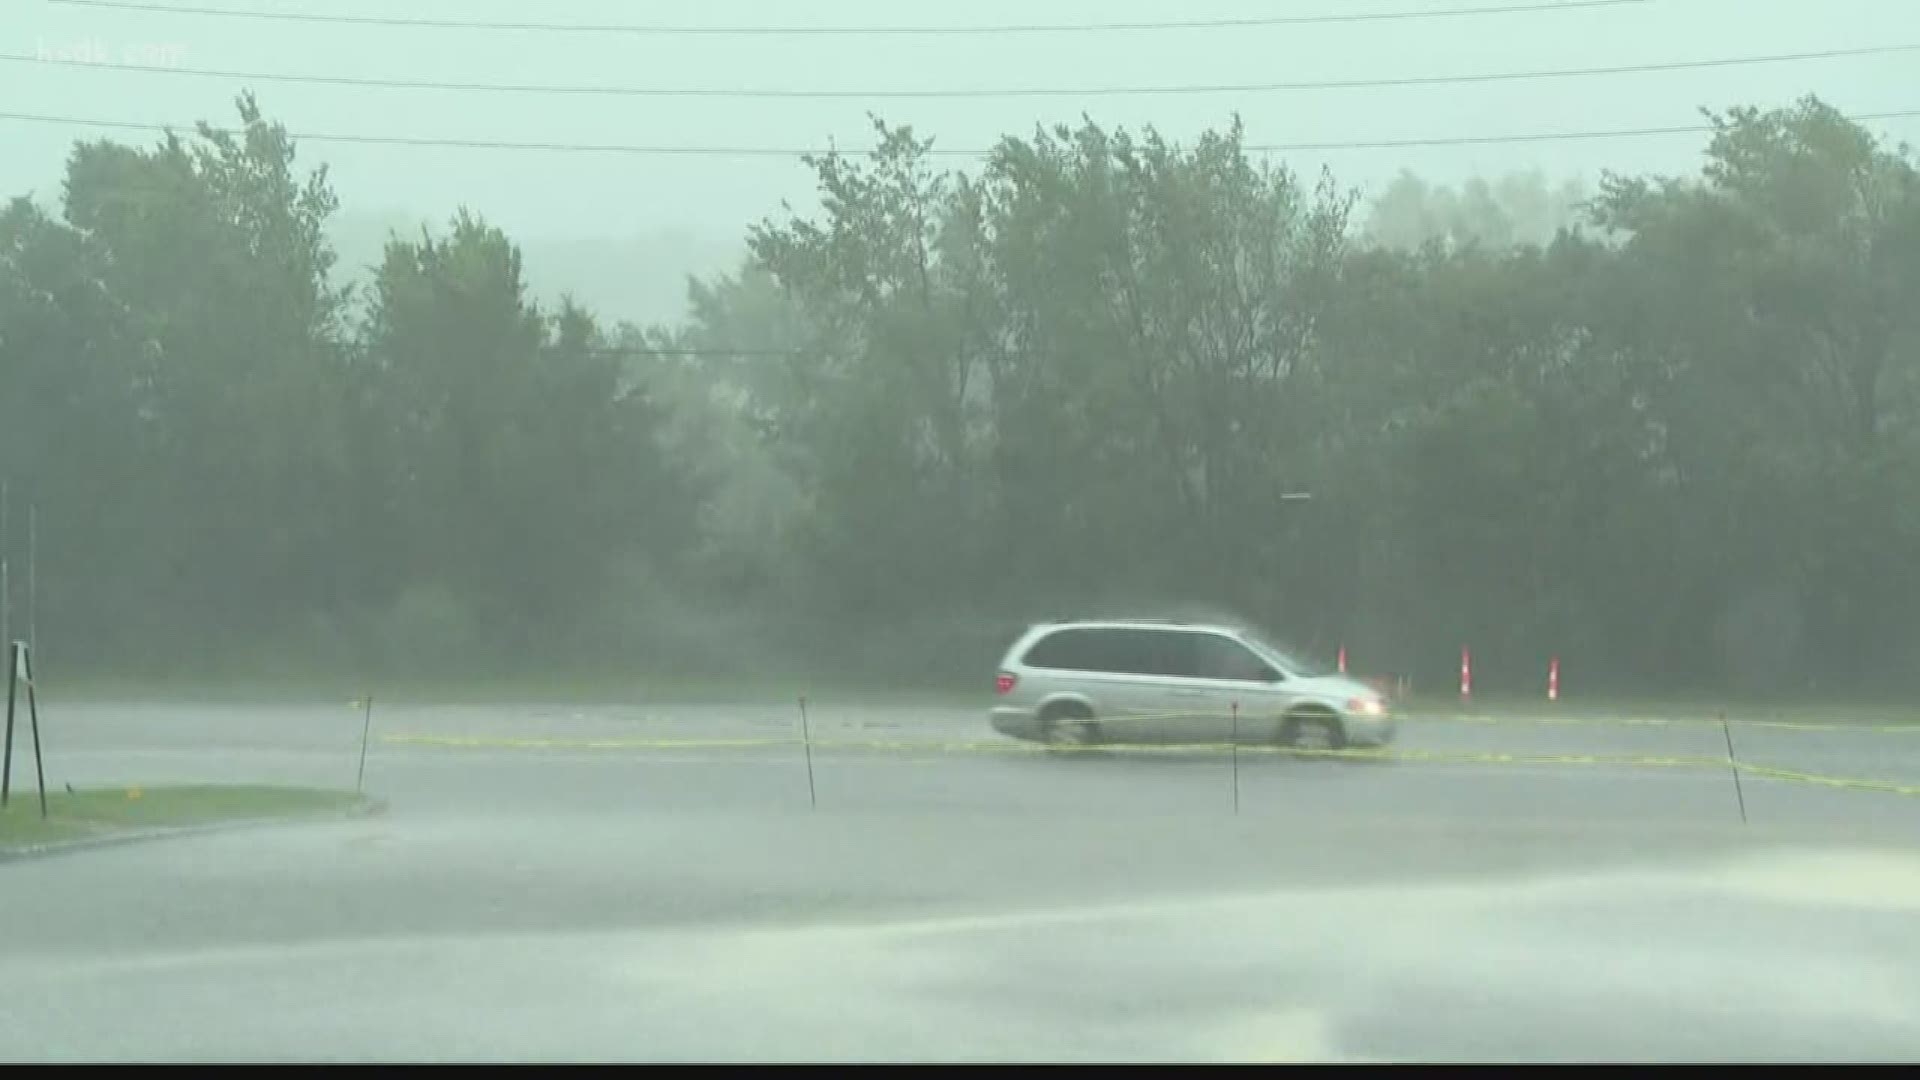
point(1668, 431)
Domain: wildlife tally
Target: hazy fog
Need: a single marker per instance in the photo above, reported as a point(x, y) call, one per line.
point(620, 230)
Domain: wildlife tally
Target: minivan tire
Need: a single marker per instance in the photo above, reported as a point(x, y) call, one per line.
point(1068, 729)
point(1313, 731)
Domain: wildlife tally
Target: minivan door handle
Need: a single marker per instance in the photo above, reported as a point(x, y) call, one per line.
point(1189, 693)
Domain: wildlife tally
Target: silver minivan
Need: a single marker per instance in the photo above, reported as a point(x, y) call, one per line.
point(1072, 684)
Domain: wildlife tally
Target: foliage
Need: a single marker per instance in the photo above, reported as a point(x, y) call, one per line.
point(1671, 434)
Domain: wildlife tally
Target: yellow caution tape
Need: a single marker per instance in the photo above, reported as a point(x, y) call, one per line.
point(1854, 782)
point(491, 742)
point(1251, 719)
point(1662, 721)
point(1010, 746)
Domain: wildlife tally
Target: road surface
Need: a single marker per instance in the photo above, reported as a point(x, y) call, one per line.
point(649, 883)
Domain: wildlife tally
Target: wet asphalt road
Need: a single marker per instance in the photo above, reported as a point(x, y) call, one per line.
point(749, 758)
point(592, 897)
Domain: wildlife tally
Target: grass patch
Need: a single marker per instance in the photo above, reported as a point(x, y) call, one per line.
point(93, 812)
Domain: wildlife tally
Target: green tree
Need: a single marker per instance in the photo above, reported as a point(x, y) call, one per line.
point(1775, 300)
point(1518, 209)
point(877, 422)
point(1160, 353)
point(72, 444)
point(206, 318)
point(521, 451)
point(721, 379)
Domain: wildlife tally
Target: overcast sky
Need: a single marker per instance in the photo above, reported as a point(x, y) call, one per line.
point(557, 197)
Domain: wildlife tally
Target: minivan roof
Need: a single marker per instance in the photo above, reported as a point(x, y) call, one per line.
point(1130, 624)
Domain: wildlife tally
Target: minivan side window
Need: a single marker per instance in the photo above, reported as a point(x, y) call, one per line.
point(1181, 654)
point(1116, 651)
point(1220, 657)
point(1159, 652)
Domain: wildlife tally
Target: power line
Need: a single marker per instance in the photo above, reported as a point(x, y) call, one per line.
point(792, 152)
point(1003, 28)
point(1097, 91)
point(457, 144)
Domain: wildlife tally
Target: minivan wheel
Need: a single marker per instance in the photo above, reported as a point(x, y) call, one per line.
point(1313, 732)
point(1069, 731)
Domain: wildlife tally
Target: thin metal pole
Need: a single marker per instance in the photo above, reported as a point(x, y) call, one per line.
point(1236, 757)
point(13, 685)
point(366, 726)
point(806, 741)
point(39, 768)
point(6, 590)
point(33, 523)
point(1734, 764)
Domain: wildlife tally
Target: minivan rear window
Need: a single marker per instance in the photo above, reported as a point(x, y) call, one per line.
point(1071, 650)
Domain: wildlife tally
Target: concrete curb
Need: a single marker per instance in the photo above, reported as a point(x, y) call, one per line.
point(22, 852)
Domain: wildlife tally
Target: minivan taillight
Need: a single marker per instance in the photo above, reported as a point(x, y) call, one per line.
point(1003, 683)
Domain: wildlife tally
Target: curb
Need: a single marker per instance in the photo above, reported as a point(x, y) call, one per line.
point(23, 852)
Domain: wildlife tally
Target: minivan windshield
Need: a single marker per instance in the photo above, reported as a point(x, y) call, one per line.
point(1287, 660)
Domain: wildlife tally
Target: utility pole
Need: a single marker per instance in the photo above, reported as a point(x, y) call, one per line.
point(33, 521)
point(6, 591)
